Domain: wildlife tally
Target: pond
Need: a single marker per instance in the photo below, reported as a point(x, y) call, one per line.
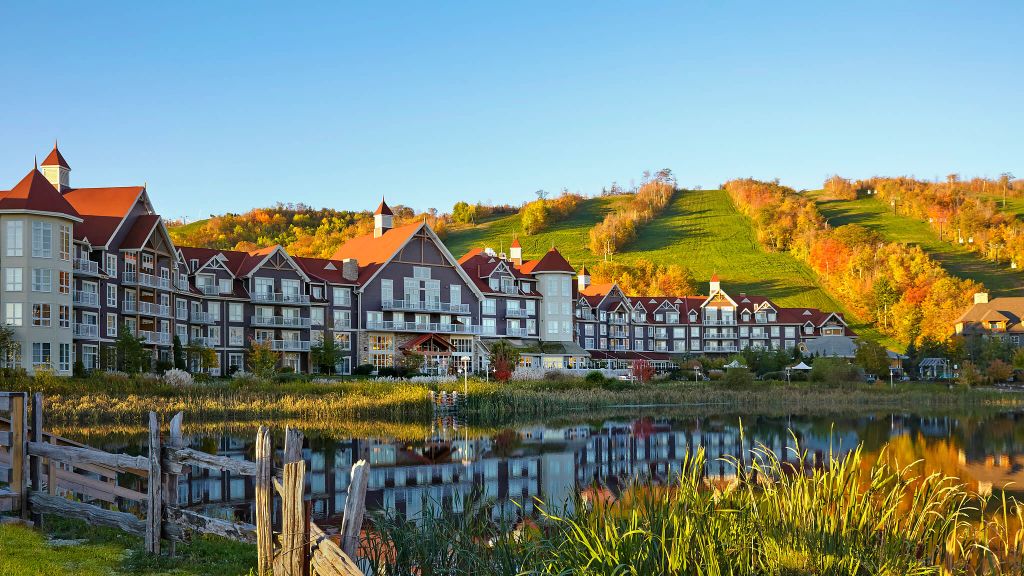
point(514, 467)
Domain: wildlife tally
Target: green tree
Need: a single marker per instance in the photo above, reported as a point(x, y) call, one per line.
point(534, 216)
point(199, 354)
point(325, 354)
point(178, 353)
point(132, 355)
point(10, 348)
point(463, 213)
point(738, 377)
point(262, 359)
point(873, 358)
point(970, 376)
point(503, 359)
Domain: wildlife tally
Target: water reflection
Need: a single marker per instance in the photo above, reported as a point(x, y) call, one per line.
point(517, 465)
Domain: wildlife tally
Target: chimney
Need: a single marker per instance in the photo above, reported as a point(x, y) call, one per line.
point(981, 297)
point(350, 269)
point(515, 252)
point(382, 219)
point(583, 278)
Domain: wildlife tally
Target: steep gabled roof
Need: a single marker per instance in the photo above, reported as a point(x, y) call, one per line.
point(34, 192)
point(322, 269)
point(141, 230)
point(102, 209)
point(383, 209)
point(553, 261)
point(372, 252)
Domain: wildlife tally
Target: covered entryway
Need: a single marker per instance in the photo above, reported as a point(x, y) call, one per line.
point(436, 351)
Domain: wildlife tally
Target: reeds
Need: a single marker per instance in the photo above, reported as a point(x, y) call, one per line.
point(844, 517)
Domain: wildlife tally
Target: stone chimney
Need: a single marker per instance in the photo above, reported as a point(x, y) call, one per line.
point(350, 269)
point(981, 297)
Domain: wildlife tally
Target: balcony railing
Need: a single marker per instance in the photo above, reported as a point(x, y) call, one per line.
point(200, 317)
point(720, 349)
point(517, 332)
point(614, 320)
point(81, 298)
point(152, 309)
point(150, 337)
point(720, 334)
point(619, 348)
point(296, 322)
point(86, 330)
point(86, 266)
point(280, 297)
point(422, 306)
point(199, 341)
point(209, 289)
point(587, 317)
point(516, 312)
point(425, 327)
point(287, 345)
point(716, 322)
point(148, 280)
point(619, 334)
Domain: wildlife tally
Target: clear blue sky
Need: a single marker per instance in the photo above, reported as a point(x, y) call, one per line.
point(223, 106)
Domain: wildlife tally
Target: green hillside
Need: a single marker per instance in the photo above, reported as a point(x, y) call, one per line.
point(701, 230)
point(957, 260)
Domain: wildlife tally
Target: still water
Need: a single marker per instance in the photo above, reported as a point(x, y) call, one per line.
point(513, 466)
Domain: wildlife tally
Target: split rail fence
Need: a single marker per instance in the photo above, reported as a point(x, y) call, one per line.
point(43, 472)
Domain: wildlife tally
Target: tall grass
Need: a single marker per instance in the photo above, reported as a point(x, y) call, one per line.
point(845, 517)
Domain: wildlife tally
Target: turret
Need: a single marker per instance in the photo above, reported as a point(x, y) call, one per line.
point(583, 278)
point(56, 170)
point(515, 252)
point(383, 219)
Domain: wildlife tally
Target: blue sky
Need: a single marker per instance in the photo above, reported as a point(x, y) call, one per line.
point(223, 106)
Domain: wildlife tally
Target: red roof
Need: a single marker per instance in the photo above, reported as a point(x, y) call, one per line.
point(714, 277)
point(551, 262)
point(372, 252)
point(583, 270)
point(383, 209)
point(515, 243)
point(55, 159)
point(103, 209)
point(316, 268)
point(35, 192)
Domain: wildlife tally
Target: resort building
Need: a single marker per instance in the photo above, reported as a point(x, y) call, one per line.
point(1001, 318)
point(82, 265)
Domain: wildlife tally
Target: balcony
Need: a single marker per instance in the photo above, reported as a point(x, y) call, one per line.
point(285, 321)
point(708, 348)
point(91, 331)
point(587, 317)
point(200, 317)
point(280, 298)
point(516, 313)
point(152, 309)
point(716, 322)
point(726, 334)
point(209, 289)
point(287, 345)
point(200, 341)
point(150, 337)
point(86, 267)
point(517, 332)
point(424, 327)
point(619, 348)
point(146, 280)
point(90, 299)
point(421, 306)
point(620, 334)
point(617, 320)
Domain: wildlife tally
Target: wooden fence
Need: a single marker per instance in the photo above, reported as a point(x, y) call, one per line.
point(44, 470)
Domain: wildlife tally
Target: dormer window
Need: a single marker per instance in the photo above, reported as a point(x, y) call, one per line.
point(659, 317)
point(673, 317)
point(746, 316)
point(693, 316)
point(494, 283)
point(194, 264)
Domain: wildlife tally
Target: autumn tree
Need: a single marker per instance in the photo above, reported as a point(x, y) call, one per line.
point(262, 361)
point(998, 371)
point(503, 359)
point(873, 358)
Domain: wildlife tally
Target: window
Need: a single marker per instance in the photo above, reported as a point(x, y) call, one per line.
point(42, 280)
point(111, 260)
point(41, 315)
point(421, 272)
point(455, 294)
point(224, 285)
point(316, 316)
point(112, 325)
point(342, 319)
point(531, 326)
point(65, 357)
point(264, 285)
point(235, 311)
point(488, 325)
point(42, 240)
point(489, 306)
point(387, 290)
point(213, 335)
point(214, 309)
point(344, 340)
point(317, 292)
point(64, 282)
point(13, 314)
point(40, 353)
point(236, 336)
point(64, 316)
point(90, 355)
point(65, 242)
point(13, 279)
point(343, 296)
point(531, 308)
point(15, 238)
point(234, 362)
point(112, 295)
point(374, 319)
point(147, 262)
point(290, 287)
point(589, 343)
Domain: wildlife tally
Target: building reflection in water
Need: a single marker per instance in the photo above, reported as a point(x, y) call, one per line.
point(515, 467)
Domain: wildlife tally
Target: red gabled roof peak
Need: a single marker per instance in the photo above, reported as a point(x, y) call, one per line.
point(35, 192)
point(714, 277)
point(56, 159)
point(383, 209)
point(553, 261)
point(515, 243)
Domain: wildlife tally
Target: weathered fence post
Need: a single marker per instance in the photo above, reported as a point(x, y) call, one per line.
point(264, 500)
point(154, 508)
point(36, 471)
point(355, 508)
point(19, 454)
point(293, 559)
point(176, 441)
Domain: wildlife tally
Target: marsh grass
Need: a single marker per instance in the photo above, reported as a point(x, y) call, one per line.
point(845, 518)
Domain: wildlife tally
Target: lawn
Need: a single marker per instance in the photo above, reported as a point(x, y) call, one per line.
point(957, 260)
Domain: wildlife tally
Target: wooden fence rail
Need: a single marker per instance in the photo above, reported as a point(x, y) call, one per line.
point(44, 469)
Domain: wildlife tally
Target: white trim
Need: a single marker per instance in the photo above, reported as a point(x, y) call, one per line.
point(278, 248)
point(43, 213)
point(125, 215)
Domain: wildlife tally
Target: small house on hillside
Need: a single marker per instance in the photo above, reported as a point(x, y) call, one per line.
point(996, 318)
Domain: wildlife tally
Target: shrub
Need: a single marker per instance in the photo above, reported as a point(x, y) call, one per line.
point(834, 370)
point(738, 377)
point(177, 378)
point(594, 377)
point(363, 370)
